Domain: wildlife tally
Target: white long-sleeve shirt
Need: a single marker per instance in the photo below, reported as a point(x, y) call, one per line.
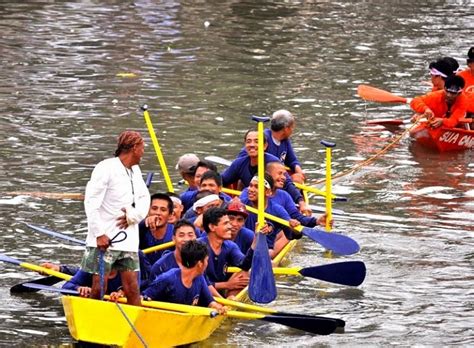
point(112, 187)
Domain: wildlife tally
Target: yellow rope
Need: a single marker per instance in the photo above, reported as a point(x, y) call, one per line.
point(371, 159)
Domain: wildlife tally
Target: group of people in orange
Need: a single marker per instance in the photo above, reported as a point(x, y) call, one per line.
point(451, 100)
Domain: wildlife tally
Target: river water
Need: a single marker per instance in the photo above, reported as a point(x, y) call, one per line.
point(205, 67)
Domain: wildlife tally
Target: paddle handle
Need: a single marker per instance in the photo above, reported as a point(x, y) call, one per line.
point(329, 146)
point(156, 145)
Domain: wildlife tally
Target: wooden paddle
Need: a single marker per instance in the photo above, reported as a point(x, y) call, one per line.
point(338, 243)
point(313, 324)
point(379, 95)
point(351, 273)
point(262, 287)
point(254, 308)
point(156, 145)
point(80, 242)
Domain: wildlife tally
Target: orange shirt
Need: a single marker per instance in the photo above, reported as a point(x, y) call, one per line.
point(437, 103)
point(468, 77)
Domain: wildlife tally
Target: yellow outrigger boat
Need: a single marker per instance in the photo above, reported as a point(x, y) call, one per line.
point(102, 322)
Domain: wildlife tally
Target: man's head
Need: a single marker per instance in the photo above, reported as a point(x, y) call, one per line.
point(161, 206)
point(439, 71)
point(202, 167)
point(253, 187)
point(131, 143)
point(195, 254)
point(251, 143)
point(453, 88)
point(177, 208)
point(187, 166)
point(183, 231)
point(284, 122)
point(211, 181)
point(278, 173)
point(206, 200)
point(216, 221)
point(237, 214)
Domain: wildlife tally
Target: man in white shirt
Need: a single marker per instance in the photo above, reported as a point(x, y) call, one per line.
point(116, 200)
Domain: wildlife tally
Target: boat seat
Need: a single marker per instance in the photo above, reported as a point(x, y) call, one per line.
point(467, 123)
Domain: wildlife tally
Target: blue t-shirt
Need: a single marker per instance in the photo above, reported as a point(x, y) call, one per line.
point(283, 198)
point(230, 255)
point(187, 197)
point(82, 278)
point(244, 239)
point(169, 287)
point(275, 210)
point(147, 240)
point(283, 151)
point(166, 262)
point(240, 169)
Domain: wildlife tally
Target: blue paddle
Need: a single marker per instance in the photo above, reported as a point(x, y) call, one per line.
point(262, 287)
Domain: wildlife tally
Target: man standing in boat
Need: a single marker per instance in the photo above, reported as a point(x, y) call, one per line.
point(116, 200)
point(445, 107)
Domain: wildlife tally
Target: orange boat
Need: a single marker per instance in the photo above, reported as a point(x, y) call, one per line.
point(443, 139)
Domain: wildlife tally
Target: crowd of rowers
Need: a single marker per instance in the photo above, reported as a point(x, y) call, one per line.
point(451, 101)
point(212, 230)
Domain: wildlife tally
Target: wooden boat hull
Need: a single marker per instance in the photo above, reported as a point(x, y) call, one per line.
point(443, 139)
point(102, 322)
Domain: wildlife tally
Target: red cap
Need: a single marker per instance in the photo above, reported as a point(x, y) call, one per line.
point(237, 208)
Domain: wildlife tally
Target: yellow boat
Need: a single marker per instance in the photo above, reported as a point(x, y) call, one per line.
point(102, 322)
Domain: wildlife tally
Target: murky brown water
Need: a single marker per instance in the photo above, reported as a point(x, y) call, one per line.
point(411, 210)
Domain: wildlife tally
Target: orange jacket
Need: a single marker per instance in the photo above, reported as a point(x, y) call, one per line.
point(468, 80)
point(437, 103)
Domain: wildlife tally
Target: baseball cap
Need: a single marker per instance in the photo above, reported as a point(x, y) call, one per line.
point(237, 208)
point(187, 163)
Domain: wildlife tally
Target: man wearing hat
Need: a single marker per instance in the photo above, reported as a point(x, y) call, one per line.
point(241, 235)
point(440, 70)
point(443, 108)
point(468, 73)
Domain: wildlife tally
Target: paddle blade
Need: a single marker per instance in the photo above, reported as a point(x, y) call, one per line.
point(262, 287)
point(56, 234)
point(319, 326)
point(21, 288)
point(336, 242)
point(378, 95)
point(351, 273)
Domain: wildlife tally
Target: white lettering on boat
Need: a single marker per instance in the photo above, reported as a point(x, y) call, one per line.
point(449, 137)
point(467, 141)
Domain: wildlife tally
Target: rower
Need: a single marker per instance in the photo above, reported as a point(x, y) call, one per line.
point(277, 171)
point(211, 181)
point(187, 167)
point(282, 126)
point(468, 73)
point(223, 252)
point(240, 235)
point(204, 201)
point(155, 229)
point(243, 168)
point(276, 239)
point(184, 231)
point(177, 208)
point(442, 108)
point(185, 285)
point(440, 70)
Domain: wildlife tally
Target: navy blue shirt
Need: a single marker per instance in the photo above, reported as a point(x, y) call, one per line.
point(240, 169)
point(230, 255)
point(187, 197)
point(82, 278)
point(275, 210)
point(147, 241)
point(244, 239)
point(284, 151)
point(282, 198)
point(170, 288)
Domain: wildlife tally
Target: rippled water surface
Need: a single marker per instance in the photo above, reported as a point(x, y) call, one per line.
point(64, 100)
